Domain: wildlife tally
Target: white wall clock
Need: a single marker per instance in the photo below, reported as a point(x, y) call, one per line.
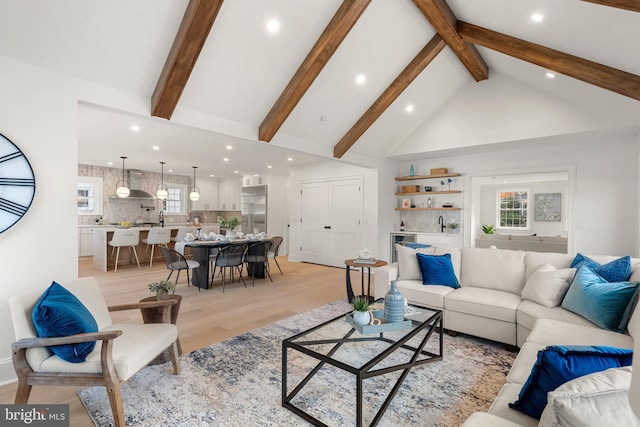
point(17, 184)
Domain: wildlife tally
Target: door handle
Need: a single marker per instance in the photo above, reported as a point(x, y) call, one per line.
point(327, 227)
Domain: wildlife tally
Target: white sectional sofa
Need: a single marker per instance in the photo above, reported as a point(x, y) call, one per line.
point(489, 304)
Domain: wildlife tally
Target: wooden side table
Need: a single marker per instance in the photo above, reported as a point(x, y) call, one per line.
point(352, 263)
point(154, 315)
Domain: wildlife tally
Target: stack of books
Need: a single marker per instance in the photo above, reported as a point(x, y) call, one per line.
point(365, 260)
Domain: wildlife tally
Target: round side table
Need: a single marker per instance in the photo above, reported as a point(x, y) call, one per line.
point(362, 265)
point(154, 315)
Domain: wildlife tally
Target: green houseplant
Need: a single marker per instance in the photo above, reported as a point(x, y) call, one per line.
point(361, 310)
point(488, 229)
point(162, 288)
point(228, 223)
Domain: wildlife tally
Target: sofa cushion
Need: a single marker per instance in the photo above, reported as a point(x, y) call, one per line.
point(594, 400)
point(456, 257)
point(414, 245)
point(500, 406)
point(483, 302)
point(430, 296)
point(618, 270)
point(502, 270)
point(529, 312)
point(556, 365)
point(534, 260)
point(59, 313)
point(408, 267)
point(548, 332)
point(526, 358)
point(607, 304)
point(437, 270)
point(548, 285)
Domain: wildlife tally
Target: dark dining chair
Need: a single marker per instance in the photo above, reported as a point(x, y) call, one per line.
point(258, 253)
point(229, 257)
point(175, 261)
point(275, 247)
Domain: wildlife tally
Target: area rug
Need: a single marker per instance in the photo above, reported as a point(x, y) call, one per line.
point(237, 382)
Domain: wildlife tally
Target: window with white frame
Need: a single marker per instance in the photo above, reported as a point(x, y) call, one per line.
point(512, 209)
point(176, 202)
point(89, 195)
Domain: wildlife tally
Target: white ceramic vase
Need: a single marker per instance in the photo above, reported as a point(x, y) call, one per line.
point(361, 317)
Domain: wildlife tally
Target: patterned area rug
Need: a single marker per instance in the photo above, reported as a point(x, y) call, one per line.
point(237, 382)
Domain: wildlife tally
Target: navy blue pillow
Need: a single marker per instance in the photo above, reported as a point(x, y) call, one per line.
point(604, 303)
point(437, 270)
point(618, 270)
point(59, 313)
point(558, 364)
point(416, 245)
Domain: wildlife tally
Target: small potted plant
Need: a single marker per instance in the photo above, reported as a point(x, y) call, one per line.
point(452, 226)
point(228, 223)
point(488, 229)
point(361, 310)
point(162, 288)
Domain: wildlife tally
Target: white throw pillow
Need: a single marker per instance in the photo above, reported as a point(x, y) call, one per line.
point(408, 266)
point(598, 399)
point(547, 285)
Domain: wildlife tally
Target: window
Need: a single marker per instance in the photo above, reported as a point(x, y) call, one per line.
point(176, 203)
point(89, 195)
point(513, 209)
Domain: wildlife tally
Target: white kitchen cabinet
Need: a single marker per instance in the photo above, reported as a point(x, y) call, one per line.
point(208, 196)
point(229, 194)
point(85, 241)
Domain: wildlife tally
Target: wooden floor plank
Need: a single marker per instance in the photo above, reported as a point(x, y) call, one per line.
point(206, 316)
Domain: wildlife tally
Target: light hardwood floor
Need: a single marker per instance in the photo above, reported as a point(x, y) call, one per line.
point(206, 316)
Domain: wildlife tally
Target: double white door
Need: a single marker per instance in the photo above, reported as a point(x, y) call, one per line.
point(331, 226)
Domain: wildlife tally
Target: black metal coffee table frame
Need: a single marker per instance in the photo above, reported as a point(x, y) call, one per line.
point(432, 324)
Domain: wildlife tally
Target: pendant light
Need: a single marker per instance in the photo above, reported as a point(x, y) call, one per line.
point(122, 187)
point(162, 191)
point(194, 195)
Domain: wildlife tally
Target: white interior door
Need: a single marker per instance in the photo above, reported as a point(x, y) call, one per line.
point(331, 221)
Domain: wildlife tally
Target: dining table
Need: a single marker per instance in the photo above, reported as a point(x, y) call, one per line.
point(201, 249)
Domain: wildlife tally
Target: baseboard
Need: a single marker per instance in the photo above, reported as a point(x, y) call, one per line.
point(7, 373)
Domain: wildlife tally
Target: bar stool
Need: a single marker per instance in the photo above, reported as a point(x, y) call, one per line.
point(156, 236)
point(182, 233)
point(124, 238)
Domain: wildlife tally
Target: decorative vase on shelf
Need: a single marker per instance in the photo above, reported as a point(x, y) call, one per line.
point(393, 305)
point(412, 171)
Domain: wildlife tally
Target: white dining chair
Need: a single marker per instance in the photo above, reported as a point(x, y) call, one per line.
point(210, 229)
point(182, 233)
point(156, 236)
point(125, 238)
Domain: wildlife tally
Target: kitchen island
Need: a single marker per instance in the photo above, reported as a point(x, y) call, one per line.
point(102, 252)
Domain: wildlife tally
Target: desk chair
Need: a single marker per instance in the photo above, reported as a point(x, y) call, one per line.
point(122, 349)
point(156, 236)
point(125, 237)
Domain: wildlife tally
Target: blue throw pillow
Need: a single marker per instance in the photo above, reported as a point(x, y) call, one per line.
point(59, 313)
point(437, 270)
point(416, 245)
point(558, 364)
point(618, 270)
point(604, 303)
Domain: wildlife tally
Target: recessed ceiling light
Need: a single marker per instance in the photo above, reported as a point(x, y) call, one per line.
point(171, 170)
point(155, 147)
point(290, 159)
point(324, 118)
point(226, 159)
point(409, 108)
point(110, 163)
point(360, 79)
point(229, 147)
point(269, 166)
point(211, 176)
point(550, 75)
point(135, 128)
point(273, 25)
point(536, 17)
point(235, 171)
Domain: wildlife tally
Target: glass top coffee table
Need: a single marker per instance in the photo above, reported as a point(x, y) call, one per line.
point(323, 354)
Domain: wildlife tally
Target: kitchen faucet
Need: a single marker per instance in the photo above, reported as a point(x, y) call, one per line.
point(441, 223)
point(161, 218)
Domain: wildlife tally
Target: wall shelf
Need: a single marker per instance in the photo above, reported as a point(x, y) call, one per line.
point(426, 193)
point(428, 209)
point(411, 178)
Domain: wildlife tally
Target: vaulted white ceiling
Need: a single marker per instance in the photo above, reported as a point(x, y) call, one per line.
point(119, 47)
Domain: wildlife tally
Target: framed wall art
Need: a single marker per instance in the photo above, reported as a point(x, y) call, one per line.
point(547, 207)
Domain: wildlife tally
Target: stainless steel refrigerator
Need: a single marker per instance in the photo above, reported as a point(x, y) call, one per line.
point(253, 206)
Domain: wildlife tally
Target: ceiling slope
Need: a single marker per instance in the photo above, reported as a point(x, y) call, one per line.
point(633, 5)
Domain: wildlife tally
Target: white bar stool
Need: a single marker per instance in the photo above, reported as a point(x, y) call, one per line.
point(156, 236)
point(124, 237)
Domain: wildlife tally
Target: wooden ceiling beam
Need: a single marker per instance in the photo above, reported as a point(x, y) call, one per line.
point(191, 37)
point(404, 79)
point(443, 20)
point(632, 5)
point(582, 69)
point(344, 19)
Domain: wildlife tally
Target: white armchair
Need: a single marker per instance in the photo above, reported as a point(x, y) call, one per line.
point(121, 350)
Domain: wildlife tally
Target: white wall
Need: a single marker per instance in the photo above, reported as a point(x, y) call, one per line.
point(39, 114)
point(604, 215)
point(332, 170)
